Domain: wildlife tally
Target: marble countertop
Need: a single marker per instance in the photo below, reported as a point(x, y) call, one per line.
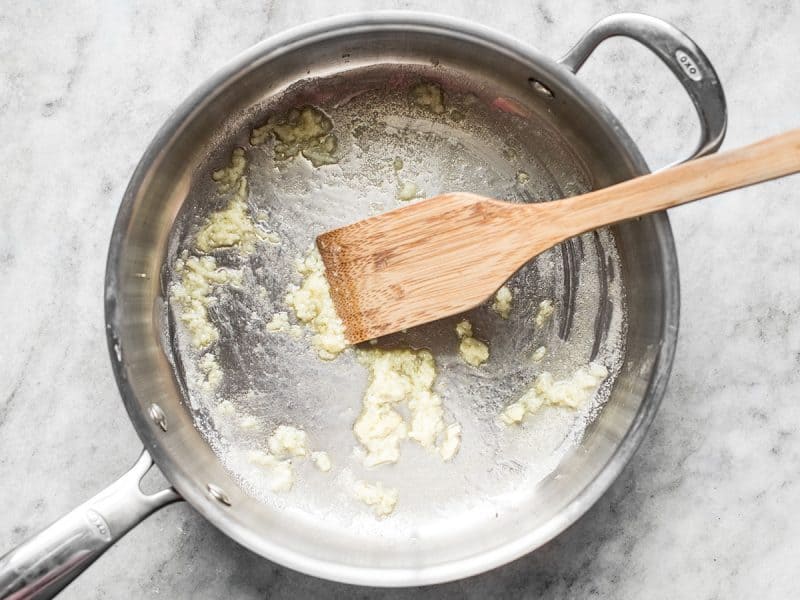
point(706, 509)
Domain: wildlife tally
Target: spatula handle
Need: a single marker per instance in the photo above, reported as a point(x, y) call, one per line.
point(768, 159)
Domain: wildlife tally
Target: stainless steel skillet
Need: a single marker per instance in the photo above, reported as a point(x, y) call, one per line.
point(565, 140)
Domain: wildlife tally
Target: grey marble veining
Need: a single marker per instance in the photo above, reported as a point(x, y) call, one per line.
point(707, 507)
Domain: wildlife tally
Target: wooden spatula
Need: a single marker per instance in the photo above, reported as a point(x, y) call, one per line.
point(444, 255)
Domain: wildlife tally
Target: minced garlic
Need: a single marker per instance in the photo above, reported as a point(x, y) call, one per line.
point(249, 423)
point(321, 460)
point(571, 393)
point(502, 302)
point(281, 472)
point(406, 190)
point(287, 441)
point(280, 322)
point(232, 226)
point(306, 130)
point(429, 96)
point(451, 442)
point(226, 408)
point(472, 350)
point(213, 374)
point(381, 499)
point(229, 178)
point(196, 279)
point(544, 312)
point(396, 377)
point(313, 306)
point(538, 354)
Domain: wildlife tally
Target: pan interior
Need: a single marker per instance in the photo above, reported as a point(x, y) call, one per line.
point(485, 142)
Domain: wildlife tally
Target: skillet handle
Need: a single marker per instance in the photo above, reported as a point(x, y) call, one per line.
point(680, 54)
point(43, 565)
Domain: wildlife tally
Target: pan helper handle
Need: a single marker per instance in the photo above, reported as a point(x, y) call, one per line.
point(44, 564)
point(680, 54)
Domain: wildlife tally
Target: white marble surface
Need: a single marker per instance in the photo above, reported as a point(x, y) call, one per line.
point(706, 509)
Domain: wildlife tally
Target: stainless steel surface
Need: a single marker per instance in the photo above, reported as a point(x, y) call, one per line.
point(598, 149)
point(683, 58)
point(47, 562)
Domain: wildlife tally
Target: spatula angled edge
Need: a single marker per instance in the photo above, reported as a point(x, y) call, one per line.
point(447, 211)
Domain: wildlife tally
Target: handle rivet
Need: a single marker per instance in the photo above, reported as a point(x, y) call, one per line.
point(158, 416)
point(217, 494)
point(540, 88)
